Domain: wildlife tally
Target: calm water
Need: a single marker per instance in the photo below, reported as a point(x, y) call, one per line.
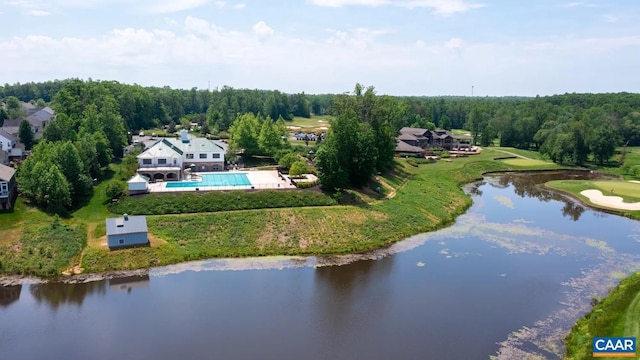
point(224, 179)
point(507, 280)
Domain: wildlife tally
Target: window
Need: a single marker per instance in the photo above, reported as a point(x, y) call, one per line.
point(189, 156)
point(203, 156)
point(216, 156)
point(146, 161)
point(121, 241)
point(3, 187)
point(162, 161)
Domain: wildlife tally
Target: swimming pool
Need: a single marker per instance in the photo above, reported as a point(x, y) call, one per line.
point(225, 179)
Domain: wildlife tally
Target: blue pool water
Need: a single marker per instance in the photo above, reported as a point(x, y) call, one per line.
point(213, 180)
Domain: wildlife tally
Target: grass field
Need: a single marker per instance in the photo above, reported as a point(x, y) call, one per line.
point(528, 162)
point(616, 315)
point(630, 192)
point(315, 122)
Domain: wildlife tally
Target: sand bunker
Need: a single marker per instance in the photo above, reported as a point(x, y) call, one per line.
point(615, 202)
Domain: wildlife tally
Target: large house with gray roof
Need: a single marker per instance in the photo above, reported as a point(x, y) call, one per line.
point(416, 140)
point(167, 158)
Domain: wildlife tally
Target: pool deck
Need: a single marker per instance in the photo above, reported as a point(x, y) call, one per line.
point(260, 179)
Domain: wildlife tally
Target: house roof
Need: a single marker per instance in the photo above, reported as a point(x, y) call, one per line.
point(201, 145)
point(414, 131)
point(138, 179)
point(161, 149)
point(12, 130)
point(406, 136)
point(134, 224)
point(402, 146)
point(7, 135)
point(36, 119)
point(6, 172)
point(173, 148)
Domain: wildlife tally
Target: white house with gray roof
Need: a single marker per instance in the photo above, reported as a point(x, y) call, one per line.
point(127, 231)
point(168, 158)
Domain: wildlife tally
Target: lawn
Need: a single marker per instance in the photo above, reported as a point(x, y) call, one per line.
point(529, 162)
point(616, 315)
point(315, 122)
point(630, 192)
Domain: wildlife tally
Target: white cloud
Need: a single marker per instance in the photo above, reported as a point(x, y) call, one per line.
point(220, 4)
point(440, 7)
point(195, 50)
point(169, 6)
point(341, 3)
point(240, 6)
point(39, 13)
point(578, 4)
point(611, 18)
point(454, 43)
point(262, 29)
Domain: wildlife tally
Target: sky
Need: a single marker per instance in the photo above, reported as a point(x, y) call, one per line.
point(401, 47)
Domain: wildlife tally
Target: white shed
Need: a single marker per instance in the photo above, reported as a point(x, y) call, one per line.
point(138, 183)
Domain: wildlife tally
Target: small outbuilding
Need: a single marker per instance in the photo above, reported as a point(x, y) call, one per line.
point(127, 231)
point(138, 184)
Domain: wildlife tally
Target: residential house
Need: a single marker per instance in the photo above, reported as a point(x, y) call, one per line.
point(167, 158)
point(8, 189)
point(38, 121)
point(29, 108)
point(127, 231)
point(412, 139)
point(10, 144)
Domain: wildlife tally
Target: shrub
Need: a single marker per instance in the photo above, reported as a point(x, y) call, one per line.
point(115, 189)
point(288, 160)
point(298, 168)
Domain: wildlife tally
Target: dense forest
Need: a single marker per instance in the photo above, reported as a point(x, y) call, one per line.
point(96, 118)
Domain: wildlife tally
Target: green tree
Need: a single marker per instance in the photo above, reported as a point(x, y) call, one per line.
point(25, 134)
point(115, 189)
point(269, 141)
point(244, 134)
point(602, 142)
point(172, 127)
point(287, 160)
point(298, 168)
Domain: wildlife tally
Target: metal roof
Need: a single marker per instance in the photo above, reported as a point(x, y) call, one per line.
point(134, 224)
point(6, 172)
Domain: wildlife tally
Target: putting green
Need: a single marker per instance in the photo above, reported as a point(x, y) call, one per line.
point(620, 188)
point(526, 162)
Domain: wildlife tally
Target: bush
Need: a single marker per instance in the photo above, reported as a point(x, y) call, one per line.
point(288, 160)
point(298, 168)
point(115, 189)
point(159, 204)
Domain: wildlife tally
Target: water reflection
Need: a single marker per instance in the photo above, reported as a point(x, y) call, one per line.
point(532, 185)
point(9, 294)
point(129, 283)
point(341, 289)
point(55, 294)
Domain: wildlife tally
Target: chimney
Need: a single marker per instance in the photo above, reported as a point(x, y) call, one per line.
point(126, 217)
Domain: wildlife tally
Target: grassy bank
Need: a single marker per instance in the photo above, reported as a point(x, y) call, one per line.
point(627, 190)
point(427, 197)
point(616, 315)
point(192, 202)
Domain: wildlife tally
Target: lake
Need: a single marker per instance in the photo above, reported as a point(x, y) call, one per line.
point(508, 279)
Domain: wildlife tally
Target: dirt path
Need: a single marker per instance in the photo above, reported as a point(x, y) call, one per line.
point(393, 192)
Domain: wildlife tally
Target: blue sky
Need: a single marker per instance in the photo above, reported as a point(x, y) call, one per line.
point(402, 47)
